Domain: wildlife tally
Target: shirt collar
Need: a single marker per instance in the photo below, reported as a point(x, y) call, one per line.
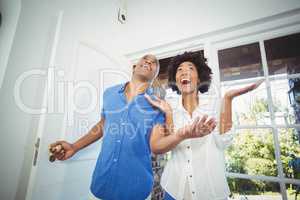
point(148, 91)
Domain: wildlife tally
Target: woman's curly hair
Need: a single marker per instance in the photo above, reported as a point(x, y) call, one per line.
point(204, 71)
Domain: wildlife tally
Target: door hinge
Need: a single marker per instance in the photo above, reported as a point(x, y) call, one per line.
point(36, 151)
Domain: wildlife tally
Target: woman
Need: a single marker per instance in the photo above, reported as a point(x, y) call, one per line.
point(196, 170)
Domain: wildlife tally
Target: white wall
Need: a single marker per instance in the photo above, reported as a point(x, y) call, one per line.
point(153, 23)
point(150, 23)
point(10, 10)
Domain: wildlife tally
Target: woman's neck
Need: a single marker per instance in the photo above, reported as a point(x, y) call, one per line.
point(190, 102)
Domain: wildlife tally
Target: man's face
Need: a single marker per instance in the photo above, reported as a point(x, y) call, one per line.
point(146, 67)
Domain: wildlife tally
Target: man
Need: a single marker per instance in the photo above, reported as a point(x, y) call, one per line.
point(123, 170)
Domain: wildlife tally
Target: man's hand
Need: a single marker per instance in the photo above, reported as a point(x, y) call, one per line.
point(62, 150)
point(199, 128)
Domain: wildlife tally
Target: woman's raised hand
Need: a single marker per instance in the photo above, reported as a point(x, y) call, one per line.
point(237, 92)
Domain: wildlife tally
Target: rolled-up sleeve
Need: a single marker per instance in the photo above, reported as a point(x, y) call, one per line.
point(103, 106)
point(102, 112)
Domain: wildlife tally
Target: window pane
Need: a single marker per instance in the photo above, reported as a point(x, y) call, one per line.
point(286, 101)
point(283, 54)
point(240, 62)
point(250, 108)
point(252, 152)
point(290, 152)
point(254, 189)
point(291, 190)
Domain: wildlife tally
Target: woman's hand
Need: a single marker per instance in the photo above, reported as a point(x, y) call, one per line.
point(237, 92)
point(226, 109)
point(200, 127)
point(159, 103)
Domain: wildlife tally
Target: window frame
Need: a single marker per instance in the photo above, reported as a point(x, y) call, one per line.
point(260, 38)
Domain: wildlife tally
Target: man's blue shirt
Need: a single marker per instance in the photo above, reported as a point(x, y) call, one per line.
point(123, 170)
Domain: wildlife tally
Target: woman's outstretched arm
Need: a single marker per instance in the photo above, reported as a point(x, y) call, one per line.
point(226, 115)
point(226, 106)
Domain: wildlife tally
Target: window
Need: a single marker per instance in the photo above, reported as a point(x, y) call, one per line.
point(267, 119)
point(283, 54)
point(252, 153)
point(249, 189)
point(284, 111)
point(251, 108)
point(240, 62)
point(289, 152)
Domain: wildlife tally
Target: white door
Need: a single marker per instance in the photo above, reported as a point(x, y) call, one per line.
point(82, 70)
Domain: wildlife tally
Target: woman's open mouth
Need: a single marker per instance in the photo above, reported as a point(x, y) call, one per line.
point(185, 81)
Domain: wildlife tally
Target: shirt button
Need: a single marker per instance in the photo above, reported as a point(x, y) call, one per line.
point(122, 123)
point(115, 160)
point(119, 141)
point(188, 161)
point(193, 192)
point(191, 176)
point(188, 147)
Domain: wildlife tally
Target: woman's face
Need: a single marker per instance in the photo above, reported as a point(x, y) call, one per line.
point(187, 78)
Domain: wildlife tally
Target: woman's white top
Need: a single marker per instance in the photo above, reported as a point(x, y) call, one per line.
point(196, 169)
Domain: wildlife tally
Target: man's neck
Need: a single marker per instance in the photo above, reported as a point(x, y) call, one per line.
point(135, 87)
point(190, 102)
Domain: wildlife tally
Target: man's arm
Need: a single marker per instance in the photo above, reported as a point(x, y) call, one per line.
point(93, 135)
point(68, 150)
point(160, 142)
point(163, 138)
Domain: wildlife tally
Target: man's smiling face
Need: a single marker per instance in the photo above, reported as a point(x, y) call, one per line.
point(146, 68)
